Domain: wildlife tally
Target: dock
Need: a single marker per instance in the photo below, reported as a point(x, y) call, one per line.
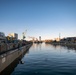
point(8, 57)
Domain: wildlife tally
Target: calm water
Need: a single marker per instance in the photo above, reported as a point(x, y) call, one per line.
point(46, 59)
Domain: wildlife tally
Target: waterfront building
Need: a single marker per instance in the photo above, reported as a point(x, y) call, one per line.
point(14, 35)
point(69, 39)
point(2, 37)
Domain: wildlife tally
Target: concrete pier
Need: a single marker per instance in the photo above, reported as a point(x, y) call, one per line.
point(7, 58)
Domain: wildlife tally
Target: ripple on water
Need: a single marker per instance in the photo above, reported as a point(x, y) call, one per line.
point(47, 60)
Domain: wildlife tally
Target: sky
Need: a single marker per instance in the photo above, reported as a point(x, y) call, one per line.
point(45, 18)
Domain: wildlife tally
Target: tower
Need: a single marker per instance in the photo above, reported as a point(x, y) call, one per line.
point(59, 36)
point(39, 38)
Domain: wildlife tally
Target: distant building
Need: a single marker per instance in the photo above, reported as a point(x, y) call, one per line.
point(39, 38)
point(57, 39)
point(2, 35)
point(68, 39)
point(71, 39)
point(14, 35)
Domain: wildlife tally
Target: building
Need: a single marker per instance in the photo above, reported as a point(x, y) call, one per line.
point(57, 39)
point(2, 37)
point(14, 35)
point(69, 39)
point(39, 38)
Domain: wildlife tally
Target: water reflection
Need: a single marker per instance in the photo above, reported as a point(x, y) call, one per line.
point(55, 47)
point(37, 46)
point(47, 59)
point(68, 47)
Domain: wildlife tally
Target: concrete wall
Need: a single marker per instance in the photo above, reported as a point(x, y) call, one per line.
point(7, 58)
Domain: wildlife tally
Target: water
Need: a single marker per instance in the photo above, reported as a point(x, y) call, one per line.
point(46, 59)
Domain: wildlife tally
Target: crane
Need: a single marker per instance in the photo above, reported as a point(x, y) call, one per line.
point(23, 34)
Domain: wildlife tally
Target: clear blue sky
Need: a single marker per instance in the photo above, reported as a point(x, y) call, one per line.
point(46, 18)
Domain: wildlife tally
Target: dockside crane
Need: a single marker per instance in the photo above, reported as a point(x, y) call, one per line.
point(23, 34)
